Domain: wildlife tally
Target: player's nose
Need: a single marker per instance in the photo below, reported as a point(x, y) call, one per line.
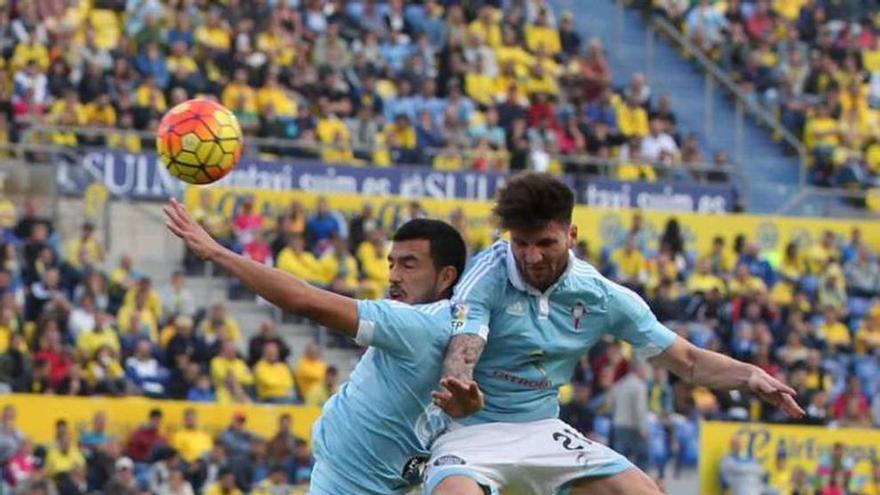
point(533, 255)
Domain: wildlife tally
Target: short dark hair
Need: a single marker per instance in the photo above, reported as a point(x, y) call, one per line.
point(531, 200)
point(447, 245)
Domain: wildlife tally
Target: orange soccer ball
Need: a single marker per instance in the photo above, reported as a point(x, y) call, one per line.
point(199, 141)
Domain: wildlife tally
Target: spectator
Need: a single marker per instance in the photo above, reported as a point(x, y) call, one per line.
point(63, 456)
point(185, 341)
point(282, 445)
point(853, 394)
point(201, 390)
point(97, 437)
point(310, 369)
point(267, 333)
point(176, 484)
point(227, 363)
point(177, 298)
point(146, 439)
point(145, 375)
point(21, 466)
point(219, 325)
point(321, 393)
point(274, 381)
point(225, 484)
point(191, 441)
point(124, 482)
point(275, 483)
point(340, 270)
point(237, 440)
point(741, 474)
point(630, 265)
point(629, 406)
point(73, 482)
point(658, 146)
point(247, 222)
point(11, 438)
point(102, 334)
point(300, 263)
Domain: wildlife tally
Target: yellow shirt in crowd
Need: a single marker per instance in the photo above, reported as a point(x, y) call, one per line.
point(221, 367)
point(274, 380)
point(191, 444)
point(309, 372)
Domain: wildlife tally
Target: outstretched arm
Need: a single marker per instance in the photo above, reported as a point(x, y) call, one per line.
point(285, 291)
point(717, 371)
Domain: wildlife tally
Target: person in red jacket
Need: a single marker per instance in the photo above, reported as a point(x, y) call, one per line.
point(58, 358)
point(146, 438)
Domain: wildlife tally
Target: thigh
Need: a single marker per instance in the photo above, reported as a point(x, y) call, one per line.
point(630, 482)
point(536, 457)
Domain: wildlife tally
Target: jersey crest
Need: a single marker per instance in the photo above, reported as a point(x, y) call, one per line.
point(578, 311)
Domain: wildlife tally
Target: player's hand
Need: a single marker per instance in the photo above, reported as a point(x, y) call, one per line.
point(775, 392)
point(458, 398)
point(195, 237)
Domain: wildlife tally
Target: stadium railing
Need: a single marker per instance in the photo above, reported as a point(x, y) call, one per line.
point(716, 80)
point(698, 172)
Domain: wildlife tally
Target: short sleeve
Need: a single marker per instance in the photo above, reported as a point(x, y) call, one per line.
point(395, 327)
point(630, 319)
point(475, 295)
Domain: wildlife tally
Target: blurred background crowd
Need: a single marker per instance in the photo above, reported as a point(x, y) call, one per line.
point(814, 63)
point(456, 85)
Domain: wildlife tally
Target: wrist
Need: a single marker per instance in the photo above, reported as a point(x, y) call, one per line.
point(218, 254)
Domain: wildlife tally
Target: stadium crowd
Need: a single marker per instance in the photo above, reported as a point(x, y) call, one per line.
point(71, 325)
point(815, 63)
point(349, 82)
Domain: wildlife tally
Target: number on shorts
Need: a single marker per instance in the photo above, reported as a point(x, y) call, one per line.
point(571, 440)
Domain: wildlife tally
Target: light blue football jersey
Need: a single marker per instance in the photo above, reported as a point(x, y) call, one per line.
point(374, 432)
point(535, 339)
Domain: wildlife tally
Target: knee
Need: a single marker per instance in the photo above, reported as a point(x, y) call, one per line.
point(457, 485)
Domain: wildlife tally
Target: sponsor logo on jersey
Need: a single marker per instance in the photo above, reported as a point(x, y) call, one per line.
point(459, 315)
point(539, 384)
point(449, 460)
point(578, 311)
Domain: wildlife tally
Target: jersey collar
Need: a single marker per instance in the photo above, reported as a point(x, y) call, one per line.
point(517, 281)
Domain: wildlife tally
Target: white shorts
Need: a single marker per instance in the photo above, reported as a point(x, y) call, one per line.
point(536, 458)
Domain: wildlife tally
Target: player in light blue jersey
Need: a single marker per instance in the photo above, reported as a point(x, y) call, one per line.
point(374, 434)
point(524, 313)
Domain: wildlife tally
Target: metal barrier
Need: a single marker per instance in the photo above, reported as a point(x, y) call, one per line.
point(716, 79)
point(700, 172)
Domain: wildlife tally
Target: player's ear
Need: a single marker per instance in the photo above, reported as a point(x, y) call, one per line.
point(446, 278)
point(572, 236)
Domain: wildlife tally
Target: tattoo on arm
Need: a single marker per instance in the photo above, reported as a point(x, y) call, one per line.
point(462, 355)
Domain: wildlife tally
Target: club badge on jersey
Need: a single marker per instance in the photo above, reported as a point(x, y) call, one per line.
point(578, 310)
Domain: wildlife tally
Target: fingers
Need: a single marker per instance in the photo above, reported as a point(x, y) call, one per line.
point(782, 387)
point(181, 210)
point(791, 407)
point(441, 396)
point(171, 213)
point(454, 385)
point(174, 229)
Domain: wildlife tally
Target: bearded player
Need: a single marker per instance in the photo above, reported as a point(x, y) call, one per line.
point(524, 313)
point(374, 434)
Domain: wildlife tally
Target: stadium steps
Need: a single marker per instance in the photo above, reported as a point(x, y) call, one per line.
point(770, 174)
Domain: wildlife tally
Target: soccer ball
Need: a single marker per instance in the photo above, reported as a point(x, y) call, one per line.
point(199, 141)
